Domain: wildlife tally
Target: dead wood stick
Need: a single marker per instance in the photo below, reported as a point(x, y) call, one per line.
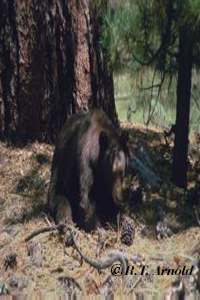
point(72, 279)
point(98, 264)
point(135, 284)
point(104, 262)
point(145, 172)
point(196, 214)
point(59, 227)
point(195, 249)
point(22, 194)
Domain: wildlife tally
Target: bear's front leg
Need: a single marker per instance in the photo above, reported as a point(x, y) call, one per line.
point(89, 217)
point(63, 212)
point(86, 183)
point(87, 205)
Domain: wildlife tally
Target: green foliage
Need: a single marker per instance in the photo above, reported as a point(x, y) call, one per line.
point(146, 31)
point(118, 32)
point(143, 35)
point(144, 102)
point(127, 95)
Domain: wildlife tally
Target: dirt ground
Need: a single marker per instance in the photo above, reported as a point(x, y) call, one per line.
point(48, 268)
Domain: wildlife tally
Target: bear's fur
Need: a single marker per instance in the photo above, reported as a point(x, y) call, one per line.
point(88, 169)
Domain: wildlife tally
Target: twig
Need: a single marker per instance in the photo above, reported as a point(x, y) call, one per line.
point(100, 244)
point(73, 280)
point(147, 63)
point(47, 220)
point(156, 258)
point(22, 194)
point(135, 284)
point(58, 227)
point(145, 172)
point(197, 214)
point(153, 86)
point(118, 226)
point(196, 101)
point(195, 249)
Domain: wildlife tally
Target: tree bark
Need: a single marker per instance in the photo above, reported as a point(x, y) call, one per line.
point(102, 75)
point(51, 66)
point(180, 155)
point(9, 69)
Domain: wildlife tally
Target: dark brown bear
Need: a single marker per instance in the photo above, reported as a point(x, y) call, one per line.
point(88, 168)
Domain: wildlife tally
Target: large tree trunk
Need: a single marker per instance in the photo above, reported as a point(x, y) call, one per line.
point(183, 109)
point(102, 76)
point(51, 66)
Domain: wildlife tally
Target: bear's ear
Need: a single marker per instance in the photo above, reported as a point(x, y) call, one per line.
point(103, 140)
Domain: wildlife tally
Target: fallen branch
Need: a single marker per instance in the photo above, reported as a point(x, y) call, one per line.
point(72, 280)
point(145, 172)
point(98, 264)
point(196, 212)
point(105, 262)
point(142, 163)
point(138, 280)
point(195, 249)
point(143, 155)
point(59, 227)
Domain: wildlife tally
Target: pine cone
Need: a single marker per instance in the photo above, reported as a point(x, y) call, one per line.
point(69, 240)
point(127, 231)
point(10, 261)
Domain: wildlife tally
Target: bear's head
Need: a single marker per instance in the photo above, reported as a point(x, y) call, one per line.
point(113, 158)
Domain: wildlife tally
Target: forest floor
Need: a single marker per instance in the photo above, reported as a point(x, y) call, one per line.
point(46, 267)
